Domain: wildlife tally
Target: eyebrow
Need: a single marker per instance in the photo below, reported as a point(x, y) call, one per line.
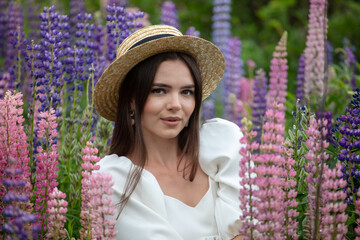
point(168, 86)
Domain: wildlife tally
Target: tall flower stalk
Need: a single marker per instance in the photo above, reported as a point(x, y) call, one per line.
point(247, 175)
point(325, 197)
point(89, 165)
point(13, 142)
point(102, 207)
point(315, 49)
point(56, 210)
point(232, 79)
point(278, 75)
point(46, 165)
point(258, 107)
point(169, 15)
point(18, 223)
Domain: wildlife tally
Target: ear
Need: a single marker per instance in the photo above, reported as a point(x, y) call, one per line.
point(132, 104)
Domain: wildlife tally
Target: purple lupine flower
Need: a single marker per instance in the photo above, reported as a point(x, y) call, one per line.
point(300, 79)
point(76, 7)
point(90, 159)
point(221, 23)
point(350, 62)
point(330, 52)
point(349, 144)
point(120, 25)
point(191, 31)
point(220, 33)
point(232, 79)
point(46, 165)
point(17, 219)
point(315, 49)
point(79, 59)
point(328, 116)
point(208, 110)
point(247, 175)
point(169, 14)
point(56, 210)
point(33, 20)
point(49, 68)
point(4, 79)
point(278, 75)
point(13, 141)
point(3, 23)
point(258, 107)
point(117, 3)
point(14, 20)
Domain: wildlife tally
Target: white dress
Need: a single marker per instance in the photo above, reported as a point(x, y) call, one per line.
point(151, 215)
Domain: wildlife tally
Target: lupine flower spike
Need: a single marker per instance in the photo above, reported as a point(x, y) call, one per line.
point(278, 75)
point(325, 201)
point(247, 180)
point(56, 210)
point(13, 142)
point(315, 49)
point(102, 207)
point(90, 159)
point(18, 222)
point(169, 15)
point(47, 164)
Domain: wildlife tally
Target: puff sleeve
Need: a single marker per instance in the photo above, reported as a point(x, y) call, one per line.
point(219, 158)
point(144, 216)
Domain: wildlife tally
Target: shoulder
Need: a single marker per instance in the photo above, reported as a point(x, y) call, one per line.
point(219, 145)
point(220, 133)
point(219, 126)
point(118, 167)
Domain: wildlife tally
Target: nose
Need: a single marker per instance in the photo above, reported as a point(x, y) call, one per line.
point(174, 102)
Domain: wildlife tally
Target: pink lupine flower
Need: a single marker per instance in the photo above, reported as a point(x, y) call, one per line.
point(278, 75)
point(56, 210)
point(46, 165)
point(90, 159)
point(102, 224)
point(13, 141)
point(357, 211)
point(247, 178)
point(315, 49)
point(325, 209)
point(275, 198)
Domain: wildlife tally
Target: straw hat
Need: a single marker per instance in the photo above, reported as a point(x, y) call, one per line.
point(145, 43)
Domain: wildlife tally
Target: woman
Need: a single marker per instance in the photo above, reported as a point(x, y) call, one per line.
point(173, 180)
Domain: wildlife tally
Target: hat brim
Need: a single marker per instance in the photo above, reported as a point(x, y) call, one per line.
point(209, 58)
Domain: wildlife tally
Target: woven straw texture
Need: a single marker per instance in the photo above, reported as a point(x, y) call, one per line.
point(209, 58)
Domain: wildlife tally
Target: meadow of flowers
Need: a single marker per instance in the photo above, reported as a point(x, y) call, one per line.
point(299, 174)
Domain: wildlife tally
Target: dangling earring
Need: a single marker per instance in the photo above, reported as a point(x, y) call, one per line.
point(187, 124)
point(132, 117)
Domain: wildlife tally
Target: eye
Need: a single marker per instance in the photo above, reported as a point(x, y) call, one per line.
point(158, 91)
point(188, 92)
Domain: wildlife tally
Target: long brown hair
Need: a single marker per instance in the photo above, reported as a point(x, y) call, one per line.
point(128, 139)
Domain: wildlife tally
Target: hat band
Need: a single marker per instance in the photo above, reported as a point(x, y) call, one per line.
point(151, 38)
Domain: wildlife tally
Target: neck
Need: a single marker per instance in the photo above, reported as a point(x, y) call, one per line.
point(162, 152)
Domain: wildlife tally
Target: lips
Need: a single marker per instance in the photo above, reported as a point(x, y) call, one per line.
point(171, 121)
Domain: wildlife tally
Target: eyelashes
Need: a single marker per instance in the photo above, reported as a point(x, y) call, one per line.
point(160, 91)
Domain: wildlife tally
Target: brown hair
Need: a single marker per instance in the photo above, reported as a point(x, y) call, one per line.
point(136, 87)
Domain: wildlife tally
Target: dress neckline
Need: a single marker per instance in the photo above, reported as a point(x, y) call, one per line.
point(169, 197)
point(186, 205)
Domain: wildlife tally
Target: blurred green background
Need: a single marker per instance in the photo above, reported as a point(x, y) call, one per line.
point(259, 24)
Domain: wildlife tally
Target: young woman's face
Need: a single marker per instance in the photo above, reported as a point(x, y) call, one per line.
point(170, 103)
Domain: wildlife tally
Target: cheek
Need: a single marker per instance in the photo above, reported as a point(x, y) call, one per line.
point(190, 107)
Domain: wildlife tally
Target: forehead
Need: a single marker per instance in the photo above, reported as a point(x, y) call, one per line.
point(173, 71)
